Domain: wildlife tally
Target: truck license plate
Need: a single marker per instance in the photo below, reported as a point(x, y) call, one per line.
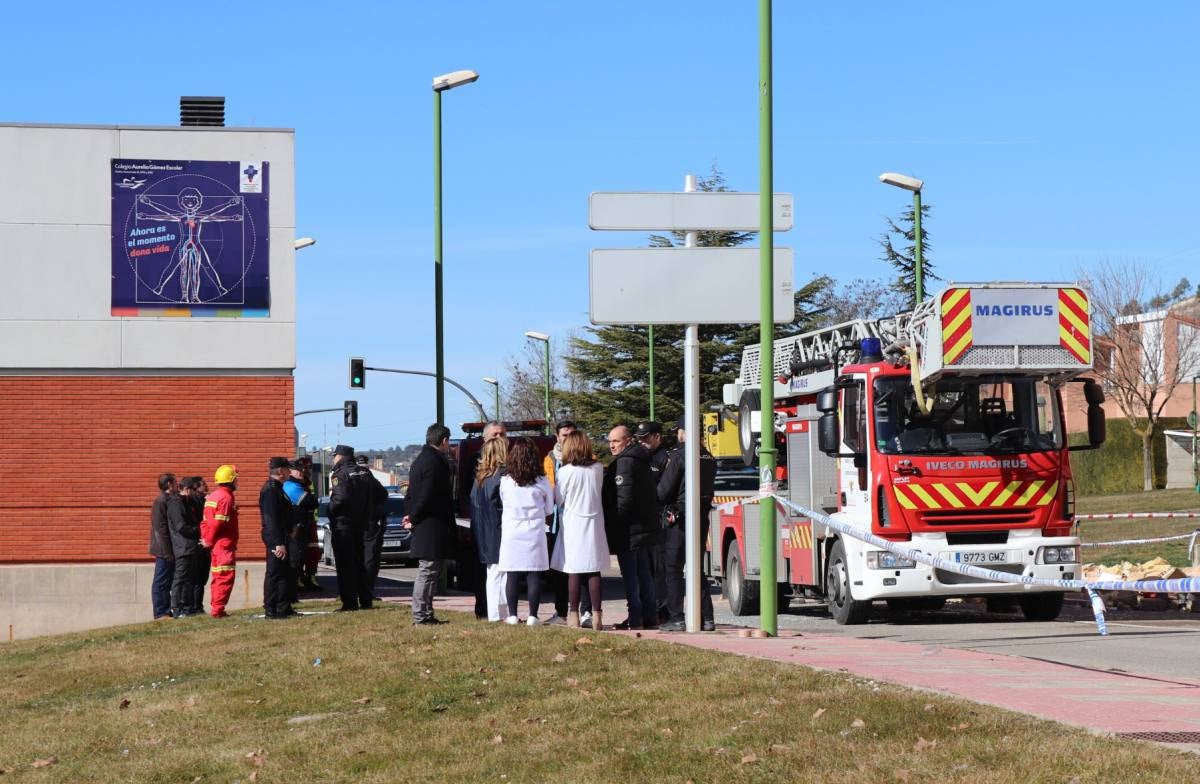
point(986, 557)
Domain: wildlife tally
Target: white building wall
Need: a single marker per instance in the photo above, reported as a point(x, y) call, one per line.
point(56, 264)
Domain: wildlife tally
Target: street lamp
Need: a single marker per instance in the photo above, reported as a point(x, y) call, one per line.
point(914, 185)
point(1195, 417)
point(545, 339)
point(496, 385)
point(441, 84)
point(303, 242)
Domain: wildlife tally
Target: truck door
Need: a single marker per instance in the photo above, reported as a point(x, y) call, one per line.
point(853, 473)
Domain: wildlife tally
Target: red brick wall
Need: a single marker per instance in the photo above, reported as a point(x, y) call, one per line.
point(80, 456)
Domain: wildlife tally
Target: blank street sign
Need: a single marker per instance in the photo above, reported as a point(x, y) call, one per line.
point(685, 286)
point(694, 211)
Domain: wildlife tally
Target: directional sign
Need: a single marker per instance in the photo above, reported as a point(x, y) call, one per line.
point(685, 286)
point(694, 211)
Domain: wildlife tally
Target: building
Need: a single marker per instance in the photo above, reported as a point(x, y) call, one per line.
point(147, 325)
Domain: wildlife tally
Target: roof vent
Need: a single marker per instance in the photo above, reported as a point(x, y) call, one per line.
point(202, 110)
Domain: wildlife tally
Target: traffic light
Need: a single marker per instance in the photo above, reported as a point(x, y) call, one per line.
point(358, 373)
point(350, 413)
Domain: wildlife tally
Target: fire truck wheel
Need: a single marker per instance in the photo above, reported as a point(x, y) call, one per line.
point(742, 594)
point(1042, 606)
point(844, 608)
point(748, 437)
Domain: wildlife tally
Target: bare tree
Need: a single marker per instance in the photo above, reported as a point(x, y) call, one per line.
point(1146, 340)
point(525, 382)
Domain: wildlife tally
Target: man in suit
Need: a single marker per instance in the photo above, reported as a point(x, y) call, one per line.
point(430, 515)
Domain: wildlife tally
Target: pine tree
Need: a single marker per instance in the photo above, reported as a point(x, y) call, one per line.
point(903, 260)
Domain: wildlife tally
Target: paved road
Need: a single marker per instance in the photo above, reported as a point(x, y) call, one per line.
point(1162, 644)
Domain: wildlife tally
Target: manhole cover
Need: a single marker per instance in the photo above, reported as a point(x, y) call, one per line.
point(1163, 737)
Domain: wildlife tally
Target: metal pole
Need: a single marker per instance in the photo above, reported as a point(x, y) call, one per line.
point(919, 248)
point(650, 347)
point(691, 457)
point(1195, 422)
point(439, 365)
point(497, 385)
point(766, 452)
point(549, 424)
point(452, 382)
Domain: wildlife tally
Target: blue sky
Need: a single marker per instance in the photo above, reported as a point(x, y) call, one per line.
point(1049, 136)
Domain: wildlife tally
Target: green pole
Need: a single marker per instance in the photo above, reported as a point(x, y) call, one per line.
point(1195, 422)
point(919, 243)
point(549, 424)
point(440, 369)
point(650, 345)
point(766, 452)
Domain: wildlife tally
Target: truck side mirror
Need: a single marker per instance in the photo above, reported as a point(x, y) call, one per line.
point(1097, 428)
point(827, 400)
point(1093, 393)
point(828, 433)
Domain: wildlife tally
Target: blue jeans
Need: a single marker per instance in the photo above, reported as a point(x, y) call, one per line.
point(639, 586)
point(160, 588)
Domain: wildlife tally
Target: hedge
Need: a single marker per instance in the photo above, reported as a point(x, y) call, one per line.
point(1116, 467)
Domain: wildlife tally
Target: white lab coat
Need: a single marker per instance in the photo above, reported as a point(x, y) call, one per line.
point(523, 525)
point(582, 546)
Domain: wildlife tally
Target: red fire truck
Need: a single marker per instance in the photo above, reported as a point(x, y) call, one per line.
point(942, 429)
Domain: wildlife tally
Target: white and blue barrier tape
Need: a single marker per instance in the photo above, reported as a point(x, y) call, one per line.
point(1182, 585)
point(1140, 516)
point(1137, 541)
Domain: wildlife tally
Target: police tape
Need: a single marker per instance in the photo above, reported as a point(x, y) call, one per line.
point(1181, 585)
point(1140, 516)
point(1136, 541)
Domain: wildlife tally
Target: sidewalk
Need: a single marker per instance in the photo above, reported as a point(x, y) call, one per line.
point(1104, 702)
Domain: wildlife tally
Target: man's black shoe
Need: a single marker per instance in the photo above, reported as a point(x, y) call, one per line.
point(429, 622)
point(625, 624)
point(708, 626)
point(673, 626)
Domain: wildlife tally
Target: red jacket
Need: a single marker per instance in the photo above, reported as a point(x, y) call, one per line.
point(220, 519)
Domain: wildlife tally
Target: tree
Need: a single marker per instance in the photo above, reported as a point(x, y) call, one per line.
point(524, 387)
point(1146, 343)
point(903, 259)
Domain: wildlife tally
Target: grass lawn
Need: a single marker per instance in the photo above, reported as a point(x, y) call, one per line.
point(1180, 500)
point(203, 701)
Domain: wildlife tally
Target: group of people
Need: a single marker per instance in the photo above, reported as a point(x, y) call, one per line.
point(564, 516)
point(194, 539)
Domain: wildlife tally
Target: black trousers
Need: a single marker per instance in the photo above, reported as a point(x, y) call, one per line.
point(297, 552)
point(353, 587)
point(675, 553)
point(203, 566)
point(557, 580)
point(277, 585)
point(373, 551)
point(183, 593)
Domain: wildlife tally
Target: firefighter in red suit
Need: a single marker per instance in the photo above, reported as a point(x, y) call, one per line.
point(219, 533)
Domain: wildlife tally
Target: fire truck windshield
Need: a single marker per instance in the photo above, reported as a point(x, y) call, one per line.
point(981, 415)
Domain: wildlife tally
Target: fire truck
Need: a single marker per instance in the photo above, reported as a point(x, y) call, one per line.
point(942, 429)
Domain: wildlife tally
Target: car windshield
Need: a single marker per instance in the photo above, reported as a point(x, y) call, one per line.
point(323, 509)
point(395, 507)
point(969, 416)
point(730, 482)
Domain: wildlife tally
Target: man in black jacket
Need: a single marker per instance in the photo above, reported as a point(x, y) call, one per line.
point(185, 543)
point(277, 523)
point(672, 491)
point(376, 525)
point(430, 505)
point(160, 548)
point(650, 435)
point(631, 522)
point(349, 510)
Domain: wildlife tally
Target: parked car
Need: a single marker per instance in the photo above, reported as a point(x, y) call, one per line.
point(397, 540)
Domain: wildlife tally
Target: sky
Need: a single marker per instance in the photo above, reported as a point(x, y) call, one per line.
point(1049, 137)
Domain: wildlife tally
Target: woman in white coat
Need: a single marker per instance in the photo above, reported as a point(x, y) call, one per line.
point(527, 500)
point(581, 550)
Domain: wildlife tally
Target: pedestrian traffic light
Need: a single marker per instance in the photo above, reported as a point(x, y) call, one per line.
point(350, 413)
point(358, 373)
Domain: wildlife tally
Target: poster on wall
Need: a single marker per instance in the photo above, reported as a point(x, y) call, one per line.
point(190, 238)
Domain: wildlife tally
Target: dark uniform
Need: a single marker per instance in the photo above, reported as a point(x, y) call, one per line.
point(632, 526)
point(195, 508)
point(278, 521)
point(671, 493)
point(373, 533)
point(349, 510)
point(658, 553)
point(304, 503)
point(185, 542)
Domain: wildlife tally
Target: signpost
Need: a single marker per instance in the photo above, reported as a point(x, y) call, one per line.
point(706, 286)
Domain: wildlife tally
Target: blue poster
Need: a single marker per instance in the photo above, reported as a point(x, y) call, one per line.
point(190, 238)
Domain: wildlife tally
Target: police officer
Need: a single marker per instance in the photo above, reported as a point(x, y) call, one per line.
point(650, 435)
point(349, 511)
point(671, 493)
point(304, 507)
point(376, 524)
point(278, 521)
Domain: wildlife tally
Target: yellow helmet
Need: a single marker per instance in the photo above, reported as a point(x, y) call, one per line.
point(226, 474)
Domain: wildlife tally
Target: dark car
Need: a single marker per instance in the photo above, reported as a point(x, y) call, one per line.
point(397, 540)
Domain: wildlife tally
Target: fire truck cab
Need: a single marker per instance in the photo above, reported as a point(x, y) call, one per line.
point(943, 430)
